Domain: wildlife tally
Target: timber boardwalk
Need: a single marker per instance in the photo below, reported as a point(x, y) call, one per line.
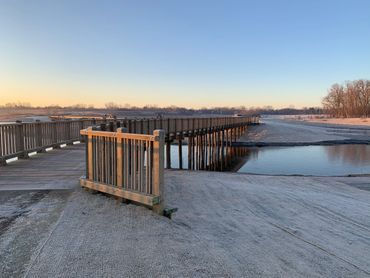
point(125, 158)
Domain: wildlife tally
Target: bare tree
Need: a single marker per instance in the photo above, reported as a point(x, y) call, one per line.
point(363, 93)
point(350, 100)
point(333, 102)
point(111, 105)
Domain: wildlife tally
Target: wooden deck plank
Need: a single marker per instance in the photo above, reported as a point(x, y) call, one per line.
point(58, 169)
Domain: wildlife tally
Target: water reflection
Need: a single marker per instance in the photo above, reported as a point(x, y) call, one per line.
point(306, 160)
point(356, 155)
point(231, 159)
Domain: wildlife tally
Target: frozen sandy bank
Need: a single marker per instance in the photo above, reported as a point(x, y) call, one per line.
point(275, 131)
point(227, 225)
point(326, 120)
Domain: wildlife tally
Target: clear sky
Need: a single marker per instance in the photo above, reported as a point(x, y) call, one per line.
point(186, 53)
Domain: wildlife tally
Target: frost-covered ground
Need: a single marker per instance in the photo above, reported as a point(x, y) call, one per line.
point(227, 225)
point(329, 120)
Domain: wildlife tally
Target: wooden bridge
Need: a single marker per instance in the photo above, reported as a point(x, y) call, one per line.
point(125, 157)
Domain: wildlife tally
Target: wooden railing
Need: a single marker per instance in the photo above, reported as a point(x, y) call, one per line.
point(183, 125)
point(123, 160)
point(19, 139)
point(125, 157)
point(129, 166)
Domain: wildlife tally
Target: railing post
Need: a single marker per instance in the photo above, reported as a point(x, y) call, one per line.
point(54, 132)
point(158, 169)
point(68, 131)
point(119, 157)
point(20, 138)
point(81, 126)
point(38, 133)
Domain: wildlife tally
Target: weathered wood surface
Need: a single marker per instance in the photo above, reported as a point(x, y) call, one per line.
point(57, 169)
point(141, 198)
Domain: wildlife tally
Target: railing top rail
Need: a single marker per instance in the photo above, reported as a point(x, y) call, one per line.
point(10, 124)
point(109, 134)
point(43, 122)
point(128, 119)
point(184, 118)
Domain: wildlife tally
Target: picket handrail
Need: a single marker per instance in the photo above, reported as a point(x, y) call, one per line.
point(125, 165)
point(18, 139)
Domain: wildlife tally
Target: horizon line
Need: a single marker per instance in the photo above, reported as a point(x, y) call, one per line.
point(111, 106)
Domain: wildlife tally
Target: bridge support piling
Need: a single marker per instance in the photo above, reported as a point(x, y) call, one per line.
point(180, 151)
point(168, 154)
point(193, 146)
point(202, 151)
point(222, 149)
point(190, 146)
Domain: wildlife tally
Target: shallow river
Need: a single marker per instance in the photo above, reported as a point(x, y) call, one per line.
point(335, 160)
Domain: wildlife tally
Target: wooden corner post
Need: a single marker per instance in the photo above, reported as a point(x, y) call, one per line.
point(89, 157)
point(158, 169)
point(119, 159)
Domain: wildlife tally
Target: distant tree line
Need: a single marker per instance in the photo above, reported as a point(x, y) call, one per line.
point(117, 109)
point(16, 105)
point(349, 100)
point(289, 111)
point(165, 111)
